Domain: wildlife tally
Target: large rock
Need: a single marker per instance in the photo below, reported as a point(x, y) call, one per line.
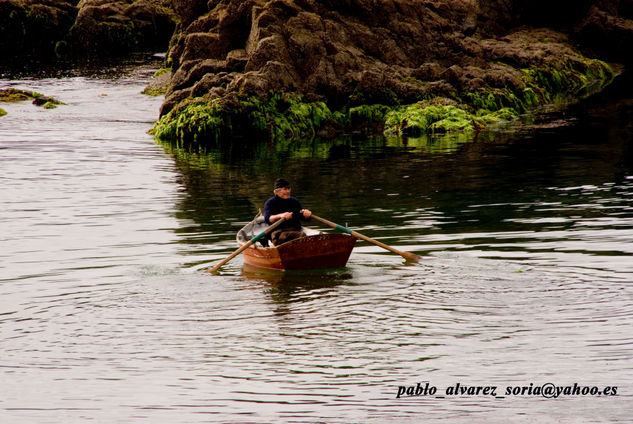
point(603, 27)
point(609, 34)
point(33, 29)
point(59, 29)
point(325, 49)
point(116, 28)
point(254, 66)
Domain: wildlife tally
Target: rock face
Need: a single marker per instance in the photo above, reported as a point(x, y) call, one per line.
point(34, 28)
point(609, 31)
point(116, 28)
point(341, 58)
point(61, 29)
point(602, 27)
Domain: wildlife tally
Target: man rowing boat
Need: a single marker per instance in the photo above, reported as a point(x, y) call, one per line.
point(284, 206)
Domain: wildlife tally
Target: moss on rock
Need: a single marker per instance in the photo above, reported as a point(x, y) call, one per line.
point(159, 84)
point(49, 105)
point(367, 117)
point(17, 95)
point(539, 86)
point(203, 121)
point(283, 116)
point(286, 115)
point(427, 118)
point(371, 68)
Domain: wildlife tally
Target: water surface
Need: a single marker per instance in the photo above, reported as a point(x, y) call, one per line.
point(106, 314)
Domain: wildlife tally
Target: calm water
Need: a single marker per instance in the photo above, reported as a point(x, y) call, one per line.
point(106, 314)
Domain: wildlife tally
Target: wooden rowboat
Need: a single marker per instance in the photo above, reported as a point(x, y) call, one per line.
point(316, 250)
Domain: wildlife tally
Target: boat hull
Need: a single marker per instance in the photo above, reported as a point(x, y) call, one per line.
point(311, 252)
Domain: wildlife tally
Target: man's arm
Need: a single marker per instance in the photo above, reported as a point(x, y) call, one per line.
point(275, 218)
point(271, 218)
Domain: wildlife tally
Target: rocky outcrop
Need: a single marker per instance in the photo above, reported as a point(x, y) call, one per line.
point(116, 28)
point(264, 68)
point(11, 95)
point(34, 29)
point(296, 68)
point(61, 29)
point(609, 32)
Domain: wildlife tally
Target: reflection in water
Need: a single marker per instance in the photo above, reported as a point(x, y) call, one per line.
point(285, 287)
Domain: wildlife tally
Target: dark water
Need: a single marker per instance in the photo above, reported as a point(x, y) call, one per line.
point(106, 315)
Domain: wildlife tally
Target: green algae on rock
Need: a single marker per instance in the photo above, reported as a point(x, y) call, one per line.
point(287, 116)
point(49, 105)
point(368, 118)
point(159, 83)
point(441, 117)
point(393, 66)
point(17, 95)
point(539, 86)
point(208, 121)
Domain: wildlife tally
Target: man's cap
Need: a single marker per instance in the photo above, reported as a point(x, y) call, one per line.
point(281, 183)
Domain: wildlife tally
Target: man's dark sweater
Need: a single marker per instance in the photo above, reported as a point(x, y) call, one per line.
point(276, 205)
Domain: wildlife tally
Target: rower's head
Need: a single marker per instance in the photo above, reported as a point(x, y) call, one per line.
point(282, 188)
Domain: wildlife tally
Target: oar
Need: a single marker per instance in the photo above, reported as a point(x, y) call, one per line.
point(247, 244)
point(407, 255)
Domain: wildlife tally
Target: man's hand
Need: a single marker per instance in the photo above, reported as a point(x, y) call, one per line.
point(306, 213)
point(285, 215)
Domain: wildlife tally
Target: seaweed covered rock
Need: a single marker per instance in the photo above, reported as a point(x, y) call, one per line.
point(34, 29)
point(44, 30)
point(116, 28)
point(159, 83)
point(10, 95)
point(360, 63)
